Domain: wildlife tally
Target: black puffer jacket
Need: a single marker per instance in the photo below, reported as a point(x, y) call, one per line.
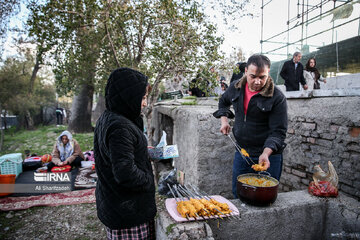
point(125, 191)
point(265, 123)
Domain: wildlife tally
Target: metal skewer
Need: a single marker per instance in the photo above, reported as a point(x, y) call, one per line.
point(187, 217)
point(189, 193)
point(176, 190)
point(189, 196)
point(238, 148)
point(198, 192)
point(215, 209)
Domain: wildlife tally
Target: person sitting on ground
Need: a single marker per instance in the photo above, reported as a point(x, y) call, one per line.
point(312, 75)
point(66, 152)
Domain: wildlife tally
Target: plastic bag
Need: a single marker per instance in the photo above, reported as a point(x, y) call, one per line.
point(170, 179)
point(162, 150)
point(162, 142)
point(325, 184)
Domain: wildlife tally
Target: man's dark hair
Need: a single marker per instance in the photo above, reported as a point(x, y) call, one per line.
point(258, 60)
point(242, 66)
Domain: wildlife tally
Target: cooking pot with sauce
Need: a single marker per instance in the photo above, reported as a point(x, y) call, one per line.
point(257, 189)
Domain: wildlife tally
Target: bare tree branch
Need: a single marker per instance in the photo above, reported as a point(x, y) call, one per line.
point(126, 42)
point(110, 40)
point(142, 43)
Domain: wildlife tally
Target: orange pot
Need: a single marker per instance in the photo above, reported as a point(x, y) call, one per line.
point(7, 179)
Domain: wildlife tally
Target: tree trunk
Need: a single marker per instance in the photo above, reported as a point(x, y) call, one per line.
point(99, 109)
point(4, 118)
point(29, 120)
point(148, 110)
point(1, 130)
point(34, 73)
point(80, 119)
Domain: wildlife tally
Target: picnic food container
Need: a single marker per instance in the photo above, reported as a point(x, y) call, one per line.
point(7, 179)
point(11, 164)
point(257, 195)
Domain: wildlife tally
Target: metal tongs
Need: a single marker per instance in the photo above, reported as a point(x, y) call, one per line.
point(238, 148)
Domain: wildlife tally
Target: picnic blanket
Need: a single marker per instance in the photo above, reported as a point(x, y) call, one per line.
point(51, 199)
point(86, 178)
point(27, 177)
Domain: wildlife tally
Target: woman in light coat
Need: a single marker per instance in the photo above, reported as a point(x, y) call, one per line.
point(312, 75)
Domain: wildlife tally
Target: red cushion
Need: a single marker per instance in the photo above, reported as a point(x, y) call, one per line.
point(65, 168)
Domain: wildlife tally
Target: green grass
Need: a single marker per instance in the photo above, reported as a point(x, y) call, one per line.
point(189, 103)
point(169, 228)
point(190, 97)
point(41, 140)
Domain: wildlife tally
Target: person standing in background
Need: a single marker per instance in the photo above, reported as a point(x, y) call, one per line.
point(239, 71)
point(59, 115)
point(312, 75)
point(292, 73)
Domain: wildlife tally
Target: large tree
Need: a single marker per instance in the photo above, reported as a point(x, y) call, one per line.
point(15, 80)
point(160, 38)
point(69, 29)
point(89, 39)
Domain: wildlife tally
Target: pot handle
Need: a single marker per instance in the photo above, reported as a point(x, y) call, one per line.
point(264, 173)
point(249, 186)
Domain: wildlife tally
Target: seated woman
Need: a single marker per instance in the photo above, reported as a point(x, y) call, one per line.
point(66, 152)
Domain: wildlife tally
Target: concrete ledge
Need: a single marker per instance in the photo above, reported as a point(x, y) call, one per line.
point(344, 92)
point(167, 228)
point(294, 215)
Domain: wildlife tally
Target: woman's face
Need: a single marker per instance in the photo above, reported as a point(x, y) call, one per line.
point(144, 101)
point(64, 139)
point(312, 63)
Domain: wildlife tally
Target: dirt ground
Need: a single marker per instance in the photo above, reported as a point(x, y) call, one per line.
point(61, 222)
point(75, 222)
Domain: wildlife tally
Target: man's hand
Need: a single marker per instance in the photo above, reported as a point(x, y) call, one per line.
point(225, 126)
point(305, 86)
point(324, 80)
point(264, 158)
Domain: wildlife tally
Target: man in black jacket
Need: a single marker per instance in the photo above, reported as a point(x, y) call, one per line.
point(292, 73)
point(260, 118)
point(125, 190)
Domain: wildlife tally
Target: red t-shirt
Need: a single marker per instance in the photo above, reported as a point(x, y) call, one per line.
point(247, 97)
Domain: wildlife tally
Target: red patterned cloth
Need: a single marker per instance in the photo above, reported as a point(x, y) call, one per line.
point(145, 231)
point(65, 168)
point(51, 199)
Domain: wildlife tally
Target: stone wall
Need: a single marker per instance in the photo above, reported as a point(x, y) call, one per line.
point(320, 130)
point(205, 155)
